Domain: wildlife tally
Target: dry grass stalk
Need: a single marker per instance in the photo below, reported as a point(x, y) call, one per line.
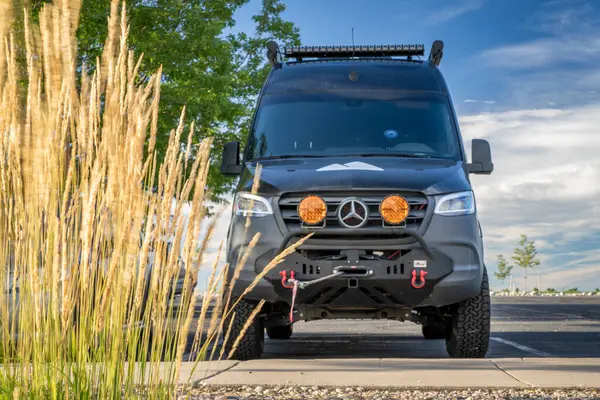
point(93, 230)
point(206, 300)
point(78, 225)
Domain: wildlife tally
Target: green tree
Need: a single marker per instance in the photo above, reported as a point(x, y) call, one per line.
point(208, 65)
point(504, 269)
point(525, 256)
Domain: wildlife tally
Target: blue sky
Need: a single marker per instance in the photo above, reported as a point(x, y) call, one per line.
point(525, 75)
point(475, 33)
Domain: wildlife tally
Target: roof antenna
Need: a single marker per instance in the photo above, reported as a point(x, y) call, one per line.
point(352, 42)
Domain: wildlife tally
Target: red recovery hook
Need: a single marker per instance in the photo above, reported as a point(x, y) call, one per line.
point(284, 278)
point(422, 275)
point(293, 286)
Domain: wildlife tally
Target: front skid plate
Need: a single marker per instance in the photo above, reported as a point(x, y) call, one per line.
point(389, 284)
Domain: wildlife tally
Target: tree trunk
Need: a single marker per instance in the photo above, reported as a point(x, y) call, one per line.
point(525, 280)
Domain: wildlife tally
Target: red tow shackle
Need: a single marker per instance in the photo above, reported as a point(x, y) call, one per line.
point(422, 275)
point(284, 278)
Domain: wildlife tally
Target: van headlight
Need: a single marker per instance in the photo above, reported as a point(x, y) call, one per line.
point(461, 203)
point(251, 205)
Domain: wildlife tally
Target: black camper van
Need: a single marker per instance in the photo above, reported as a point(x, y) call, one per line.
point(359, 147)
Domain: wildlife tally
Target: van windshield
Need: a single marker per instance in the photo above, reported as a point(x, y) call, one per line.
point(349, 123)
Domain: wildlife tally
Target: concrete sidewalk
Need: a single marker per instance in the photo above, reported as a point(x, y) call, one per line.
point(403, 373)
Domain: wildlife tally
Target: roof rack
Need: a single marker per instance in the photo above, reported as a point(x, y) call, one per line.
point(274, 54)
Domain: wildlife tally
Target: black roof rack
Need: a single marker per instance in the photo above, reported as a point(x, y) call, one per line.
point(275, 54)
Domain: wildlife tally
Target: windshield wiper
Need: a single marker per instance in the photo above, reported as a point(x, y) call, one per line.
point(286, 156)
point(406, 155)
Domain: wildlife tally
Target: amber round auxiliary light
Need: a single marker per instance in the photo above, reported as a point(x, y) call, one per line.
point(312, 210)
point(394, 209)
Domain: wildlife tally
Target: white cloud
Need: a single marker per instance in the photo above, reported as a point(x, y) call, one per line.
point(570, 32)
point(545, 184)
point(544, 52)
point(559, 68)
point(555, 87)
point(480, 101)
point(453, 10)
point(566, 278)
point(559, 17)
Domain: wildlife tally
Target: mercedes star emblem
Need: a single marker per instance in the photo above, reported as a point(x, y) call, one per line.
point(353, 213)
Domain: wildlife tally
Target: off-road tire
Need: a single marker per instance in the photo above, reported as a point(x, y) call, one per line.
point(469, 332)
point(252, 344)
point(280, 332)
point(434, 331)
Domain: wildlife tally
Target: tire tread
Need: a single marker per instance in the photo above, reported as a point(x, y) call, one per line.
point(470, 327)
point(252, 344)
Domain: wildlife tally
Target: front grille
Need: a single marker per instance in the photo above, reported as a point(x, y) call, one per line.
point(288, 208)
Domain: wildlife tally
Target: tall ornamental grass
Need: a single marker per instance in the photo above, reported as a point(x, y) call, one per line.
point(93, 231)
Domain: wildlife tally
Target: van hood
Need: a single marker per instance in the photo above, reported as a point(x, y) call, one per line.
point(429, 176)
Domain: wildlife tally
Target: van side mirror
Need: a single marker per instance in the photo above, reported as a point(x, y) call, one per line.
point(230, 164)
point(481, 158)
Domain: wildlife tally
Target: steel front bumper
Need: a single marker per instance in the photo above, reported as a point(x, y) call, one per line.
point(451, 250)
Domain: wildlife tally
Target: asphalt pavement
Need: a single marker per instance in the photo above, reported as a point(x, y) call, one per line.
point(536, 342)
point(521, 327)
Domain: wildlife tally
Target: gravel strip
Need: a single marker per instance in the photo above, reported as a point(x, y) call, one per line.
point(358, 393)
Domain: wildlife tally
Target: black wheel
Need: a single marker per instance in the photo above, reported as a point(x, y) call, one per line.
point(252, 343)
point(469, 333)
point(280, 332)
point(433, 331)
